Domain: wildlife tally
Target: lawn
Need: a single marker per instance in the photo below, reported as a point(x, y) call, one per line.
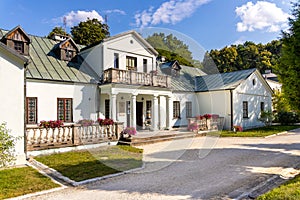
point(20, 181)
point(87, 164)
point(258, 132)
point(290, 190)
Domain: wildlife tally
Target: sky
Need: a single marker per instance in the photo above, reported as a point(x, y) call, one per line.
point(203, 24)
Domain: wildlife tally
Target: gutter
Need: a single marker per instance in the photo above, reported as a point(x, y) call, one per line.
point(231, 109)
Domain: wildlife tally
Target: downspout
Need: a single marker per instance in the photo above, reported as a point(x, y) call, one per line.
point(25, 110)
point(231, 110)
point(99, 100)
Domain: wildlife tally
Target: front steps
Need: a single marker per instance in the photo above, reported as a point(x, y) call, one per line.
point(159, 137)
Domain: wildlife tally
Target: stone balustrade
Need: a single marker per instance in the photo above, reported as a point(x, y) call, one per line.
point(39, 138)
point(135, 78)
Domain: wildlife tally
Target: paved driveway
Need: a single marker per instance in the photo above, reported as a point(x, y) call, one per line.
point(199, 168)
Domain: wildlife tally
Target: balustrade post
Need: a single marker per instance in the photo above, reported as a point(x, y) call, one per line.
point(75, 134)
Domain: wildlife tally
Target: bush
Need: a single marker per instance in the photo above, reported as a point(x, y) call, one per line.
point(287, 117)
point(7, 144)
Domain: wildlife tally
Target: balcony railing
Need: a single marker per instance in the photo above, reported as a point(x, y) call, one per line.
point(135, 78)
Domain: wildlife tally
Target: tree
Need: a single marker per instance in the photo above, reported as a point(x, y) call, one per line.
point(7, 143)
point(57, 30)
point(172, 48)
point(247, 55)
point(289, 63)
point(89, 32)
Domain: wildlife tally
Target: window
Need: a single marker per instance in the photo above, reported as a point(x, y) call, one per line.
point(253, 82)
point(31, 110)
point(107, 105)
point(262, 106)
point(68, 54)
point(245, 109)
point(64, 109)
point(19, 46)
point(131, 63)
point(145, 65)
point(189, 109)
point(176, 109)
point(116, 60)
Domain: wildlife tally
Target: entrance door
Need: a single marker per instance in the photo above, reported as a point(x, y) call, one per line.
point(139, 114)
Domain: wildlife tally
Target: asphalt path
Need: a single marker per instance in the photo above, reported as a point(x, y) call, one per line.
point(198, 168)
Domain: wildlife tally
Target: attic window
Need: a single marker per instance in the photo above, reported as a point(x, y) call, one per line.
point(253, 82)
point(68, 54)
point(19, 46)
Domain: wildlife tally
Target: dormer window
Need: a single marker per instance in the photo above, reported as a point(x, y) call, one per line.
point(19, 46)
point(18, 40)
point(67, 50)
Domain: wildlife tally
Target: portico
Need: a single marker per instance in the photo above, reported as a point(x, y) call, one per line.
point(140, 107)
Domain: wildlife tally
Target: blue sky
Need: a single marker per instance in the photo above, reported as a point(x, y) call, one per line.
point(211, 24)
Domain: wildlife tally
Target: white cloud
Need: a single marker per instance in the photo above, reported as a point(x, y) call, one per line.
point(170, 12)
point(121, 12)
point(261, 16)
point(74, 17)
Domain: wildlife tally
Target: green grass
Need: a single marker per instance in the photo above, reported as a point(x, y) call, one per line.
point(20, 181)
point(288, 191)
point(258, 132)
point(87, 164)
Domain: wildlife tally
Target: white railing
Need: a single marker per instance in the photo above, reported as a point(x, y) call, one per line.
point(136, 78)
point(70, 135)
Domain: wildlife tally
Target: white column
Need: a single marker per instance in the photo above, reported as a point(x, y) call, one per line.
point(155, 113)
point(169, 112)
point(133, 110)
point(113, 107)
point(162, 112)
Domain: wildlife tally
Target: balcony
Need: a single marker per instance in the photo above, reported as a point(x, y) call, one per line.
point(136, 78)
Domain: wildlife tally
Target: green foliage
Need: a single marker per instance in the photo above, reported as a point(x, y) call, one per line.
point(289, 63)
point(172, 49)
point(267, 117)
point(245, 56)
point(57, 30)
point(20, 181)
point(7, 144)
point(287, 117)
point(89, 32)
point(280, 103)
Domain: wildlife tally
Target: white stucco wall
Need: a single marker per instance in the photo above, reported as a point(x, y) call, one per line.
point(254, 95)
point(12, 100)
point(216, 102)
point(183, 97)
point(84, 97)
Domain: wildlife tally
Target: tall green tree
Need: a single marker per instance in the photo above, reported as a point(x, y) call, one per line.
point(288, 67)
point(172, 48)
point(247, 55)
point(57, 30)
point(89, 32)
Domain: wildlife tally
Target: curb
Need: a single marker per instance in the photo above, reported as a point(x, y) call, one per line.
point(269, 184)
point(276, 134)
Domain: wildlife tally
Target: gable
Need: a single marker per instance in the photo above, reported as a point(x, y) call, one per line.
point(130, 42)
point(255, 84)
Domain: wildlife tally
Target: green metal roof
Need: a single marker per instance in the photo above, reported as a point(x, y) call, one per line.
point(185, 82)
point(222, 81)
point(45, 65)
